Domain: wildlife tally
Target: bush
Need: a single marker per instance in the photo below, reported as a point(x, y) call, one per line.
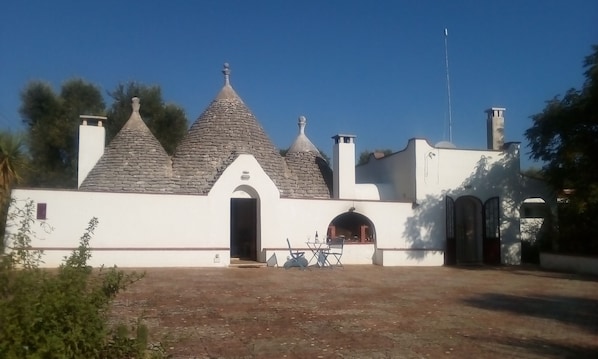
point(61, 313)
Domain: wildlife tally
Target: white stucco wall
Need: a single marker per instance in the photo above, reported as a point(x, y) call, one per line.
point(395, 171)
point(434, 173)
point(445, 169)
point(398, 234)
point(147, 228)
point(141, 230)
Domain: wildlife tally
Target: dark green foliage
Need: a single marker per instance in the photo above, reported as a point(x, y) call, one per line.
point(565, 137)
point(52, 122)
point(13, 166)
point(61, 313)
point(166, 121)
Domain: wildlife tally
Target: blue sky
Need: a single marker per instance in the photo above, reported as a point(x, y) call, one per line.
point(375, 69)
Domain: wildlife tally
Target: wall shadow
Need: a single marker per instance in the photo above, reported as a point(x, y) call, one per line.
point(542, 347)
point(577, 311)
point(425, 229)
point(542, 273)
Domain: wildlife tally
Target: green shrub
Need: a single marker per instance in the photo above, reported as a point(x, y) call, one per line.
point(62, 313)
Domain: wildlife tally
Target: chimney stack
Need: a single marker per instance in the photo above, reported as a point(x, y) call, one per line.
point(92, 139)
point(344, 166)
point(495, 125)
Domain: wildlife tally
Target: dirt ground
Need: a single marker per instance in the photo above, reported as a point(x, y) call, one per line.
point(367, 312)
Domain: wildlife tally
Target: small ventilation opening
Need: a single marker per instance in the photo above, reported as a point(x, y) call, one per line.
point(41, 211)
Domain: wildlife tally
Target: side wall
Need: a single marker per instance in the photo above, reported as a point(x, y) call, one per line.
point(480, 173)
point(142, 230)
point(396, 170)
point(135, 230)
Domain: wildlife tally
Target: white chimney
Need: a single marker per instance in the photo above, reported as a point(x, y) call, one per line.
point(344, 166)
point(92, 139)
point(495, 127)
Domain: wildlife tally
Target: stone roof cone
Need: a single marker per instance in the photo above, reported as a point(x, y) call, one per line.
point(224, 130)
point(311, 173)
point(302, 143)
point(133, 162)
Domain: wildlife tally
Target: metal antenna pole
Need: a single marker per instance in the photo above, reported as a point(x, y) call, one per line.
point(448, 85)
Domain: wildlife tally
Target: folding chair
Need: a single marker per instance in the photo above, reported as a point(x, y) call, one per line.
point(297, 258)
point(335, 250)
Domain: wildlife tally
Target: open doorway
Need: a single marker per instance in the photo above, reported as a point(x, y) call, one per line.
point(535, 228)
point(243, 228)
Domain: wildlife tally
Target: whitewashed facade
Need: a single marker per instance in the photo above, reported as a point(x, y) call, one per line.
point(422, 206)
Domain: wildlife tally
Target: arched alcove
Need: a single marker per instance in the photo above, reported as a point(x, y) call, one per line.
point(354, 227)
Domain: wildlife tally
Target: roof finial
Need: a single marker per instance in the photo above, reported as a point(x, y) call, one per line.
point(301, 124)
point(226, 72)
point(136, 104)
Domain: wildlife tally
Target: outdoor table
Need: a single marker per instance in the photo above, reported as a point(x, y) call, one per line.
point(317, 249)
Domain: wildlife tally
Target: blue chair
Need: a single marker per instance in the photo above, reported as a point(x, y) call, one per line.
point(335, 250)
point(297, 258)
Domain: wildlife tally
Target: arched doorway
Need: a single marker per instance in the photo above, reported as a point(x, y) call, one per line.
point(469, 240)
point(354, 227)
point(472, 231)
point(244, 223)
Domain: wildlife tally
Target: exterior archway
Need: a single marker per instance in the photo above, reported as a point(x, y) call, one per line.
point(353, 227)
point(472, 231)
point(244, 223)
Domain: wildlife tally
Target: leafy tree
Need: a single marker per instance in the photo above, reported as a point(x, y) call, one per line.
point(52, 122)
point(565, 137)
point(532, 172)
point(12, 162)
point(166, 121)
point(12, 166)
point(364, 156)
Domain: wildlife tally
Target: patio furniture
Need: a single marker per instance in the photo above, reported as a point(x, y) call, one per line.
point(297, 258)
point(335, 250)
point(318, 250)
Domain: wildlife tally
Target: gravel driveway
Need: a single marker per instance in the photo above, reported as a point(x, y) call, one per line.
point(367, 312)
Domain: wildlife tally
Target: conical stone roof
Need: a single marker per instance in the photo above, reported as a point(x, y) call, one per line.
point(133, 162)
point(311, 173)
point(224, 130)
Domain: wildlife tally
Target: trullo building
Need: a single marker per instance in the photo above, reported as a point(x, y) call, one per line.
point(228, 193)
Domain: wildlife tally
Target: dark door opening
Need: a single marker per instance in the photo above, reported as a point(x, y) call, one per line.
point(243, 228)
point(472, 231)
point(468, 232)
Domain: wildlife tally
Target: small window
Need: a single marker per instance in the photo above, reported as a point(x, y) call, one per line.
point(41, 210)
